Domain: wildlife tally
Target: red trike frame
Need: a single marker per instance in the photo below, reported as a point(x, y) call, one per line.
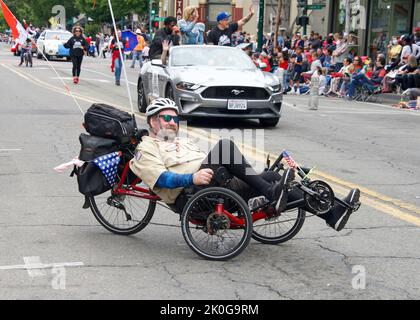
point(144, 193)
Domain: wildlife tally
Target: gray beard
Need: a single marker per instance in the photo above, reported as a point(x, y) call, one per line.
point(167, 135)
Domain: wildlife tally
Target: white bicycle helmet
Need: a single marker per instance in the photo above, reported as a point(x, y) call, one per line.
point(159, 105)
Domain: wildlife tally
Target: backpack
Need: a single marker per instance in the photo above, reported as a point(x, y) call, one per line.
point(108, 122)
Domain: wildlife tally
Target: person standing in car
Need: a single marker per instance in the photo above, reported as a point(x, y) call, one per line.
point(78, 47)
point(169, 34)
point(221, 35)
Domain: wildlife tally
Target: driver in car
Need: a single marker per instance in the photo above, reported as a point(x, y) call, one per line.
point(168, 164)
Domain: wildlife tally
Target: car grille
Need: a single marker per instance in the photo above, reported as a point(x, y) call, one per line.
point(248, 93)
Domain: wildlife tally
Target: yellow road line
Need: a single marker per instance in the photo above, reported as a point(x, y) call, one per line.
point(340, 186)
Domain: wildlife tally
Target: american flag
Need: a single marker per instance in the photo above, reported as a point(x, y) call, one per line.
point(108, 164)
point(290, 161)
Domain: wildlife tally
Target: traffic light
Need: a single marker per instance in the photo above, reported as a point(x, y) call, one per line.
point(302, 21)
point(156, 24)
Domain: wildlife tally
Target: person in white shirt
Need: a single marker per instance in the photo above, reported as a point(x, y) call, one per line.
point(408, 49)
point(315, 65)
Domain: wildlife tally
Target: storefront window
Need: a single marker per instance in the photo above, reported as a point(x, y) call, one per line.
point(416, 22)
point(357, 23)
point(388, 18)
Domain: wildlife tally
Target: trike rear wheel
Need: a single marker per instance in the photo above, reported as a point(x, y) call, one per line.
point(213, 235)
point(122, 214)
point(279, 229)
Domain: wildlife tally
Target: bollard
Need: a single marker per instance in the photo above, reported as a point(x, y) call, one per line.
point(279, 73)
point(314, 93)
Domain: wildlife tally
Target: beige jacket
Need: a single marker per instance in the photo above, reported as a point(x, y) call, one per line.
point(154, 156)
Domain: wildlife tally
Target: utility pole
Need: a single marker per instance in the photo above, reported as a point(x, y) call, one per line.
point(261, 25)
point(305, 20)
point(150, 16)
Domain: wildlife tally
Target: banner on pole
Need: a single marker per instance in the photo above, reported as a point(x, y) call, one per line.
point(179, 9)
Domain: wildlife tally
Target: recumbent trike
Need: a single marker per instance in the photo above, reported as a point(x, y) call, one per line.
point(216, 223)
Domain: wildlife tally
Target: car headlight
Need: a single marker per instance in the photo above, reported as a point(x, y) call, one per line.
point(187, 86)
point(275, 89)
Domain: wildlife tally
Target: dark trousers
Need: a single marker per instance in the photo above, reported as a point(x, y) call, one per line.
point(226, 154)
point(77, 65)
point(408, 81)
point(245, 181)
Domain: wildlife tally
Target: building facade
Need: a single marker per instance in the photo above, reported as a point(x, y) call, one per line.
point(373, 22)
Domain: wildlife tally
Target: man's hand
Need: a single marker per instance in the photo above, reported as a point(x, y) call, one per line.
point(165, 45)
point(244, 20)
point(251, 10)
point(202, 177)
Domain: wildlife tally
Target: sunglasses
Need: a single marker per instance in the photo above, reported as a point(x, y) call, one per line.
point(167, 118)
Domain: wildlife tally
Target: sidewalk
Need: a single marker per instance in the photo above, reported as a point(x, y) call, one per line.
point(389, 98)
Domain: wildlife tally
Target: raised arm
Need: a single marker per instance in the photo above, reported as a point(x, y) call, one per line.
point(244, 20)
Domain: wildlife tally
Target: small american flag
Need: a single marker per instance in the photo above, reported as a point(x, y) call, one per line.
point(108, 164)
point(290, 161)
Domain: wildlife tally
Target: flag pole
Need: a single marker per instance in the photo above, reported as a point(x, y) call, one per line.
point(121, 57)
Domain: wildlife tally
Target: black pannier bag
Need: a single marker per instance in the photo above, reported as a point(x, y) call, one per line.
point(93, 147)
point(108, 122)
point(90, 178)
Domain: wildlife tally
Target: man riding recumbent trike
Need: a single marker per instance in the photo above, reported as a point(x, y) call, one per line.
point(222, 201)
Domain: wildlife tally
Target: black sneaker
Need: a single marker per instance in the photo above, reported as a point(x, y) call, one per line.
point(342, 214)
point(280, 190)
point(117, 83)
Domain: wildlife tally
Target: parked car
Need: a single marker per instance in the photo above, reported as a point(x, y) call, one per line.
point(212, 81)
point(50, 43)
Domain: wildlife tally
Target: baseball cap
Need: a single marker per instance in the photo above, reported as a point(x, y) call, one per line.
point(138, 31)
point(222, 16)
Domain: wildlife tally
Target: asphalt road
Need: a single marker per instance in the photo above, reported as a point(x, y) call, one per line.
point(374, 147)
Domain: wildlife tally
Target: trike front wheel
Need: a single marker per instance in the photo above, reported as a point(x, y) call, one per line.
point(279, 229)
point(216, 235)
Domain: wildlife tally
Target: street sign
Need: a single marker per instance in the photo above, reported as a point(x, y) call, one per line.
point(314, 6)
point(159, 19)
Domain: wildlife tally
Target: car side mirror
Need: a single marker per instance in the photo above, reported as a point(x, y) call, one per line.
point(158, 63)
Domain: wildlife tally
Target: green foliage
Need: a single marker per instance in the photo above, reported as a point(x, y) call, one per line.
point(91, 29)
point(101, 13)
point(38, 12)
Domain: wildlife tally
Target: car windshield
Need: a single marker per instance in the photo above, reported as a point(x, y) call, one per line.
point(58, 36)
point(210, 56)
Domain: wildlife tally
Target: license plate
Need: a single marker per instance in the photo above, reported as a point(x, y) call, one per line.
point(237, 104)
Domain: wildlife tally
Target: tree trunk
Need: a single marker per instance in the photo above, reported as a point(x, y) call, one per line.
point(278, 20)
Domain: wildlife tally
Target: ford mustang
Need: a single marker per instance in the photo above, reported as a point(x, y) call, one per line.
point(212, 81)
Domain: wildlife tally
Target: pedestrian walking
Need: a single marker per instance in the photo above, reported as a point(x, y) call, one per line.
point(78, 47)
point(138, 50)
point(116, 58)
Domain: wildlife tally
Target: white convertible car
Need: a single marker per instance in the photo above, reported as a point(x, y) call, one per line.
point(51, 43)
